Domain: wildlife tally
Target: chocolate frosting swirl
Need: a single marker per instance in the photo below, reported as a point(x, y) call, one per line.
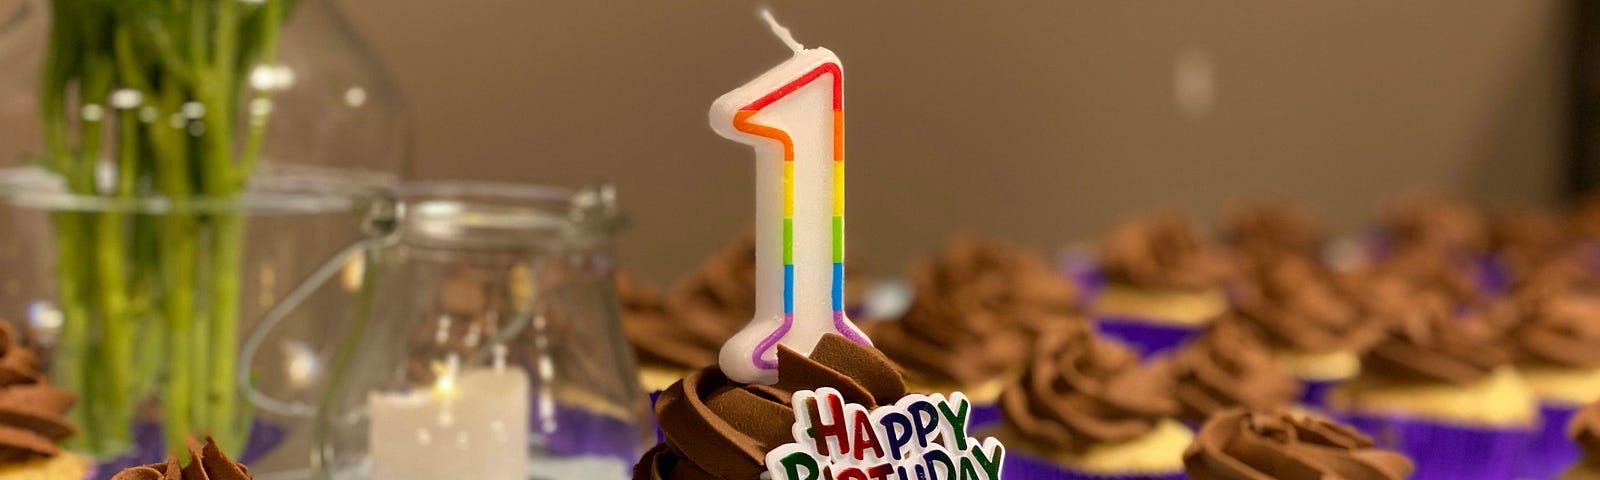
point(1228, 367)
point(1162, 252)
point(1436, 223)
point(1244, 445)
point(1298, 305)
point(975, 303)
point(663, 339)
point(719, 429)
point(1080, 390)
point(1556, 326)
point(1272, 229)
point(1426, 341)
point(32, 412)
point(206, 463)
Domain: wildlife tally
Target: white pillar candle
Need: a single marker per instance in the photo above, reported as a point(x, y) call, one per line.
point(471, 424)
point(793, 116)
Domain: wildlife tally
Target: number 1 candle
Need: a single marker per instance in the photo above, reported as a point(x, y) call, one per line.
point(793, 117)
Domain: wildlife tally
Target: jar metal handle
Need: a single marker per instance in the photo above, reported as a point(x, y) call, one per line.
point(381, 233)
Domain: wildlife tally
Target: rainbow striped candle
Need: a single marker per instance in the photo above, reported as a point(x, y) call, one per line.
point(793, 116)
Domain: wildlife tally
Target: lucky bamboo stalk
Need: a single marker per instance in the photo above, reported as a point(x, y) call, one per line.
point(185, 63)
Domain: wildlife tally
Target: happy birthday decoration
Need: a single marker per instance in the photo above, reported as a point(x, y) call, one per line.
point(793, 116)
point(920, 437)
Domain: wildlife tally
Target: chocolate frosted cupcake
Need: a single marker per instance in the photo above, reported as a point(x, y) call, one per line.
point(1439, 242)
point(1439, 388)
point(668, 345)
point(1266, 231)
point(1163, 282)
point(1241, 444)
point(205, 463)
point(1556, 345)
point(1309, 319)
point(967, 328)
point(1584, 430)
point(1226, 368)
point(33, 418)
point(1086, 409)
point(720, 429)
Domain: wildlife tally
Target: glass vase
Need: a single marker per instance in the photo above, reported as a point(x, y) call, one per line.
point(495, 350)
point(180, 167)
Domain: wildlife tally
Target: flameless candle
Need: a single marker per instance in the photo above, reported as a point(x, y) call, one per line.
point(793, 116)
point(471, 424)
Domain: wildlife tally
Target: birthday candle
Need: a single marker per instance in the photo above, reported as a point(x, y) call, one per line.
point(793, 116)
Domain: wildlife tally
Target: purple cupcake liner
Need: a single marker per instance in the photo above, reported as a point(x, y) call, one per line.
point(984, 416)
point(1019, 466)
point(1145, 337)
point(1314, 393)
point(150, 446)
point(1448, 452)
point(1550, 452)
point(1083, 272)
point(660, 436)
point(575, 431)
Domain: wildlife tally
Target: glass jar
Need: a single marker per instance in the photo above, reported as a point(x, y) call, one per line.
point(495, 350)
point(181, 165)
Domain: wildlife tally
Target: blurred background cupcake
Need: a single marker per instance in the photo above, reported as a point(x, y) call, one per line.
point(1085, 408)
point(1228, 367)
point(1437, 241)
point(1439, 388)
point(975, 306)
point(1308, 318)
point(1241, 444)
point(1555, 342)
point(1265, 231)
point(1163, 283)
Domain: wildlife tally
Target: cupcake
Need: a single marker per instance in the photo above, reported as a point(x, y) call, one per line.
point(666, 345)
point(1439, 241)
point(975, 305)
point(1309, 320)
point(1556, 346)
point(1584, 430)
point(205, 463)
point(1163, 282)
point(32, 418)
point(1227, 368)
point(1085, 408)
point(1522, 245)
point(1242, 444)
point(1439, 388)
point(717, 428)
point(1269, 230)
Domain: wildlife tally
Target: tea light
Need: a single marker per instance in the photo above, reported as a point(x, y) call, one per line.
point(470, 424)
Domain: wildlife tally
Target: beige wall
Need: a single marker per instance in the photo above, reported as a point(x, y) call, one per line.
point(1039, 121)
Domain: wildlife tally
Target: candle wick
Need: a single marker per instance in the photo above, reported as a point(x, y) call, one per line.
point(781, 31)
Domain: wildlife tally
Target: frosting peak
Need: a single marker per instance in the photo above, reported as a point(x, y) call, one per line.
point(1273, 229)
point(661, 338)
point(32, 412)
point(1243, 445)
point(1165, 252)
point(719, 429)
point(206, 463)
point(1426, 341)
point(1228, 367)
point(1557, 327)
point(1431, 222)
point(975, 302)
point(1298, 305)
point(1080, 390)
